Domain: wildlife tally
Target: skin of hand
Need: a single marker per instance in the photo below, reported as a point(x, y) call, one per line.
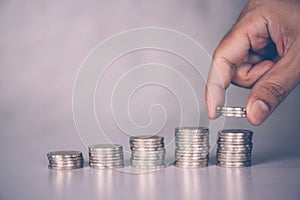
point(261, 52)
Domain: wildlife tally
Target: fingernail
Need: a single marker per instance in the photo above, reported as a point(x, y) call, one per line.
point(260, 111)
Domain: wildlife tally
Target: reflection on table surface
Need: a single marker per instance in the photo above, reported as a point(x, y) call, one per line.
point(167, 183)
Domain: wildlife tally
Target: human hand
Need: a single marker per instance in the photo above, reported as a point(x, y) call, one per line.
point(261, 52)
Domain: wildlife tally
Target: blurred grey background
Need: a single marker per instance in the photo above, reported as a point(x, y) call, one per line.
point(42, 45)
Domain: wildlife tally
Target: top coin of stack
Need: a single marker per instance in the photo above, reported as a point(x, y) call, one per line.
point(231, 111)
point(192, 147)
point(147, 152)
point(106, 156)
point(234, 148)
point(65, 160)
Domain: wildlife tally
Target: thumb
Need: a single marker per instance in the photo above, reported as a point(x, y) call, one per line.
point(273, 88)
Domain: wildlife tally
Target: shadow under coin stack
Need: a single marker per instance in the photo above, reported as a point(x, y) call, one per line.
point(234, 148)
point(147, 152)
point(192, 147)
point(61, 160)
point(106, 156)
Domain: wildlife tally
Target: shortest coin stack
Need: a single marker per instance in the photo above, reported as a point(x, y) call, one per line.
point(231, 111)
point(61, 160)
point(234, 148)
point(192, 147)
point(147, 152)
point(106, 156)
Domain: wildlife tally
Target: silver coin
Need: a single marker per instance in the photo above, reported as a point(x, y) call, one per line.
point(235, 132)
point(64, 168)
point(105, 164)
point(115, 153)
point(231, 111)
point(228, 114)
point(183, 152)
point(146, 138)
point(234, 164)
point(235, 145)
point(106, 161)
point(234, 154)
point(191, 154)
point(106, 151)
point(65, 159)
point(191, 141)
point(237, 136)
point(190, 166)
point(147, 146)
point(192, 145)
point(158, 163)
point(201, 154)
point(148, 157)
point(134, 154)
point(147, 149)
point(65, 162)
point(234, 141)
point(192, 148)
point(106, 155)
point(191, 159)
point(147, 141)
point(192, 162)
point(66, 165)
point(233, 159)
point(106, 167)
point(64, 154)
point(134, 162)
point(187, 135)
point(191, 137)
point(105, 147)
point(235, 150)
point(192, 129)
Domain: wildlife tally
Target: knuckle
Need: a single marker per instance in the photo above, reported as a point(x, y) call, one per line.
point(243, 79)
point(274, 91)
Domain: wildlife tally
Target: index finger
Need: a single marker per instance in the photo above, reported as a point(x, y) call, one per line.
point(230, 53)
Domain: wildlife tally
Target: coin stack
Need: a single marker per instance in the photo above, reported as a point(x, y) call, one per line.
point(192, 147)
point(231, 111)
point(234, 148)
point(106, 156)
point(61, 160)
point(147, 152)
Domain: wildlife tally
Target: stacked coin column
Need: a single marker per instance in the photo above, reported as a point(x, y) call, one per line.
point(60, 160)
point(192, 147)
point(147, 152)
point(106, 156)
point(234, 148)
